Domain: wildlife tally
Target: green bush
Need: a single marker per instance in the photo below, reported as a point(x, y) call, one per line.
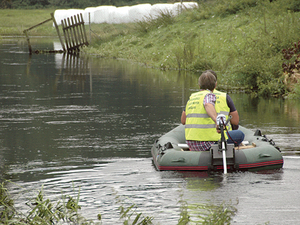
point(294, 6)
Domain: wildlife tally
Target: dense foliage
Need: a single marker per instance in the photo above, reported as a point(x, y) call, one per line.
point(294, 54)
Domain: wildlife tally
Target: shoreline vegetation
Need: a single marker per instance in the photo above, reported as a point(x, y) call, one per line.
point(66, 210)
point(241, 40)
point(250, 43)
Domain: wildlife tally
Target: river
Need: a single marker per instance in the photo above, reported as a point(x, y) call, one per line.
point(71, 124)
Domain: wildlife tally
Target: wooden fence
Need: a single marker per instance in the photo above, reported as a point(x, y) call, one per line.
point(74, 33)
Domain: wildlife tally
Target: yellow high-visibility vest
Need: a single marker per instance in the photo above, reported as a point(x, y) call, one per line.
point(221, 103)
point(199, 126)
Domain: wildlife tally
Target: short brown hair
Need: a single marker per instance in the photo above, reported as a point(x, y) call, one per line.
point(207, 81)
point(213, 73)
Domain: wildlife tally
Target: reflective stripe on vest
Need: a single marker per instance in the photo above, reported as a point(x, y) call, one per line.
point(221, 104)
point(199, 126)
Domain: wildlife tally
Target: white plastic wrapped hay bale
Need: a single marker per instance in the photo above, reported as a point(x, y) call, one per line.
point(101, 14)
point(89, 14)
point(119, 15)
point(177, 8)
point(61, 14)
point(139, 12)
point(158, 9)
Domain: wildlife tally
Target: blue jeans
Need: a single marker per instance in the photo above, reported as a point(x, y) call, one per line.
point(235, 137)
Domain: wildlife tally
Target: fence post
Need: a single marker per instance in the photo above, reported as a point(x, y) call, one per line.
point(57, 30)
point(28, 41)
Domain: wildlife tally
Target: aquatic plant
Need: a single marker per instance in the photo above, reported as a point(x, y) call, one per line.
point(129, 213)
point(41, 210)
point(138, 218)
point(7, 210)
point(206, 213)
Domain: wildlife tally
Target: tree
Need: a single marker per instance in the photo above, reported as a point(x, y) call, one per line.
point(5, 4)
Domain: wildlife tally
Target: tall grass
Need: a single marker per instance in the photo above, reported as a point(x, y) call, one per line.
point(164, 19)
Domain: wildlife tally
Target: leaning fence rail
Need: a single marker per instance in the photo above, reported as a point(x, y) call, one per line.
point(74, 34)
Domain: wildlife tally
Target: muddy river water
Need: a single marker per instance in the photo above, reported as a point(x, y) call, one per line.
point(71, 124)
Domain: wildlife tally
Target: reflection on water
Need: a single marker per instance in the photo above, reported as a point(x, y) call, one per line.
point(90, 123)
point(75, 69)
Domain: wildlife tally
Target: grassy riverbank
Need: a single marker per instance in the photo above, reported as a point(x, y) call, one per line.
point(240, 39)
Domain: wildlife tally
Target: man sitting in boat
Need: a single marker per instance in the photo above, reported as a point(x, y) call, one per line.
point(201, 115)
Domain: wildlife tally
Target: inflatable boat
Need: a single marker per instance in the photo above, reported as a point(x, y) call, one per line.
point(256, 153)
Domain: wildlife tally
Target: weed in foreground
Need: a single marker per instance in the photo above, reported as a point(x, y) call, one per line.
point(42, 211)
point(206, 214)
point(7, 210)
point(128, 212)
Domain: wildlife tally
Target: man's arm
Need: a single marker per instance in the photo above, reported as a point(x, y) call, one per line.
point(234, 113)
point(235, 117)
point(211, 111)
point(183, 117)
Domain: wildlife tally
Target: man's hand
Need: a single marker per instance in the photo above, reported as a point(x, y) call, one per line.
point(221, 119)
